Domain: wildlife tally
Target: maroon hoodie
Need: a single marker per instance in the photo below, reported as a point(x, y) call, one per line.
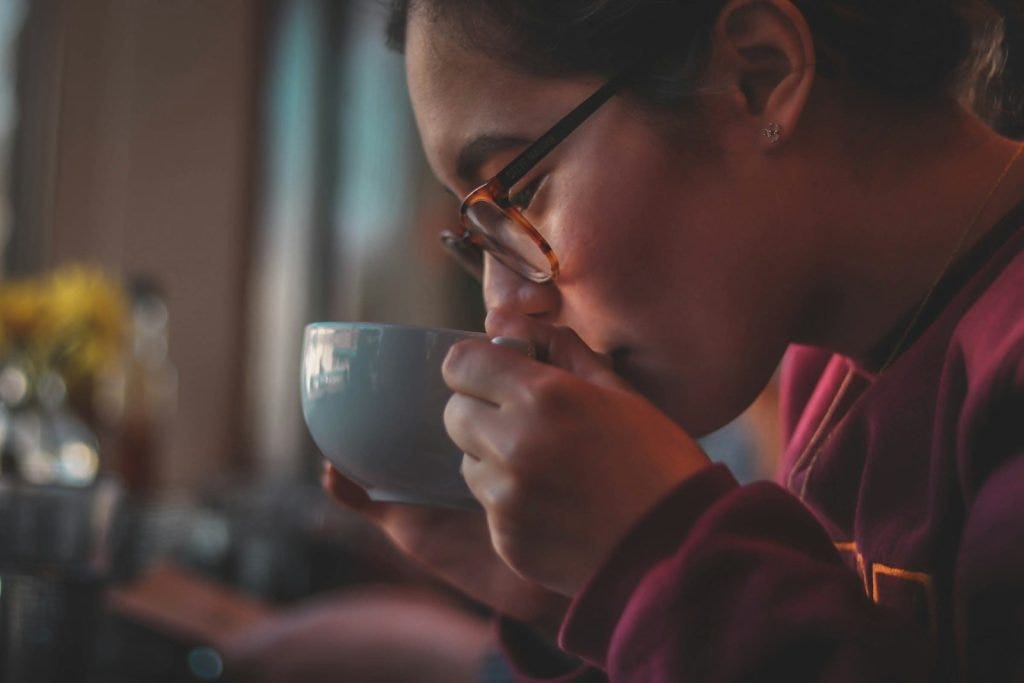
point(893, 551)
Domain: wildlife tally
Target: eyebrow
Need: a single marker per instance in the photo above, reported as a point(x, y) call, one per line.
point(474, 153)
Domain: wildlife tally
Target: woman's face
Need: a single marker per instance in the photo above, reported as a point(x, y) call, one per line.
point(672, 256)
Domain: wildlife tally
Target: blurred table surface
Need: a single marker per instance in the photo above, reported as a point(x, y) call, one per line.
point(97, 586)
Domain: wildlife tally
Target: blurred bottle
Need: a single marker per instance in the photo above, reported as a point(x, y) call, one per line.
point(141, 397)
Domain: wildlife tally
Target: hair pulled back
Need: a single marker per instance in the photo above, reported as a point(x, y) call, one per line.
point(972, 50)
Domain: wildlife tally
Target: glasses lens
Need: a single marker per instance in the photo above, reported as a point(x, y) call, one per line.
point(509, 241)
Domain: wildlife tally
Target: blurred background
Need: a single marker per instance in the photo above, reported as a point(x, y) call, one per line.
point(184, 184)
point(255, 162)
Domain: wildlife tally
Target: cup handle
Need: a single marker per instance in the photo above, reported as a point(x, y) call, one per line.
point(523, 346)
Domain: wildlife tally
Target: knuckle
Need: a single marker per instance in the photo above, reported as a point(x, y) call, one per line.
point(521, 452)
point(514, 498)
point(456, 359)
point(485, 495)
point(509, 497)
point(499, 492)
point(454, 413)
point(470, 475)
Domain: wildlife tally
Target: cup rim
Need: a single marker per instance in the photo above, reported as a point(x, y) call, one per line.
point(357, 324)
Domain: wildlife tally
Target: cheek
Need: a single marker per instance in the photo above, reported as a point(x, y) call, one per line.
point(610, 217)
point(635, 226)
point(619, 273)
point(630, 240)
point(607, 250)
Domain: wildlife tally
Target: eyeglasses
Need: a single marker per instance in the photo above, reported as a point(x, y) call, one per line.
point(493, 224)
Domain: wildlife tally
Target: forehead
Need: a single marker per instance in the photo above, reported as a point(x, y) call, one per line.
point(460, 94)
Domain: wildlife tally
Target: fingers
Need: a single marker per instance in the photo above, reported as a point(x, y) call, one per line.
point(561, 346)
point(500, 375)
point(347, 492)
point(523, 346)
point(473, 424)
point(503, 323)
point(482, 479)
point(487, 372)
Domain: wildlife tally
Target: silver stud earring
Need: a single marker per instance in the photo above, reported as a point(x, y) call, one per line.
point(773, 132)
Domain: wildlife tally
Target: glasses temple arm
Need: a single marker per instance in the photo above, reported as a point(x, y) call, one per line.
point(518, 167)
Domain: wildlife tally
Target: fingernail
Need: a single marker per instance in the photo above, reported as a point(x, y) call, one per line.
point(523, 346)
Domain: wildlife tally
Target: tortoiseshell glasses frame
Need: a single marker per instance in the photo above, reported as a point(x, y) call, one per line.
point(491, 223)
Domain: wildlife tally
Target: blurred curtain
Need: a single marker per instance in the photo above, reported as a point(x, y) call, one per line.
point(134, 151)
point(11, 18)
point(348, 213)
point(290, 230)
point(19, 99)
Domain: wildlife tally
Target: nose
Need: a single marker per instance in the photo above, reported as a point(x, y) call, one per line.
point(506, 289)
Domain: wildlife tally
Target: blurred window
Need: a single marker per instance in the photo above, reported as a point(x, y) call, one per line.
point(347, 213)
point(288, 229)
point(12, 15)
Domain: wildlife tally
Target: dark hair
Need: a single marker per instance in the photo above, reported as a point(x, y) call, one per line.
point(914, 49)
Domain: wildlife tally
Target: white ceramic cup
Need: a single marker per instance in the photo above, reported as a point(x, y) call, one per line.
point(373, 399)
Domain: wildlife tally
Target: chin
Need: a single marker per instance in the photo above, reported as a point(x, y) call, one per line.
point(692, 411)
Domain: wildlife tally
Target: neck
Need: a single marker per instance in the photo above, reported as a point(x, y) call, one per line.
point(921, 194)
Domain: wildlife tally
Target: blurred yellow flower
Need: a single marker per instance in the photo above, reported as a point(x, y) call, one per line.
point(85, 321)
point(22, 308)
point(72, 321)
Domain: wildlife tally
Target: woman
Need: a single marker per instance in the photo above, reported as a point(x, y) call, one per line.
point(744, 179)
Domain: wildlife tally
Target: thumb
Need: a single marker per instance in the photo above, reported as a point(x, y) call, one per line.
point(558, 346)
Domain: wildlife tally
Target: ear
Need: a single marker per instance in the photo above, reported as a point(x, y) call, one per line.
point(765, 48)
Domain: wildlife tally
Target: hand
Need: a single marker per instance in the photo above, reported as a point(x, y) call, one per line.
point(455, 546)
point(563, 456)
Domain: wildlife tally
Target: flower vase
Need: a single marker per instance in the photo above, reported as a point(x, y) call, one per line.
point(42, 440)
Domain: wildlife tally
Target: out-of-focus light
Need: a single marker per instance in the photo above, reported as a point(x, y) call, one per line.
point(205, 663)
point(13, 385)
point(80, 461)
